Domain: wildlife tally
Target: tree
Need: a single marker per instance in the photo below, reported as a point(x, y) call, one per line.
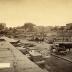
point(29, 26)
point(54, 28)
point(1, 27)
point(62, 28)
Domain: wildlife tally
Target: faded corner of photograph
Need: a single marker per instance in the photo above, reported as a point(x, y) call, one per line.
point(35, 35)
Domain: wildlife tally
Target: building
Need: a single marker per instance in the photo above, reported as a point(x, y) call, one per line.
point(69, 26)
point(65, 34)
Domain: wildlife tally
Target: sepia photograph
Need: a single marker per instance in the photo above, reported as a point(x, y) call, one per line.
point(35, 35)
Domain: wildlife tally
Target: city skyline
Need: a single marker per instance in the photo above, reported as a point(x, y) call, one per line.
point(39, 12)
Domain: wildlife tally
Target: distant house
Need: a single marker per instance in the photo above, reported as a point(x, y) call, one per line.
point(69, 26)
point(66, 34)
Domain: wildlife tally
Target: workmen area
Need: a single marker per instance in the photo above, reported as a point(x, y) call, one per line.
point(12, 60)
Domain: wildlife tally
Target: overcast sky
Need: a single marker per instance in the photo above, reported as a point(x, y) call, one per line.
point(39, 12)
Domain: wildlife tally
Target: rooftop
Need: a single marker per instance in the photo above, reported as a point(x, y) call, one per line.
point(34, 53)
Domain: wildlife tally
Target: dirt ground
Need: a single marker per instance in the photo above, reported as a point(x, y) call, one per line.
point(53, 64)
